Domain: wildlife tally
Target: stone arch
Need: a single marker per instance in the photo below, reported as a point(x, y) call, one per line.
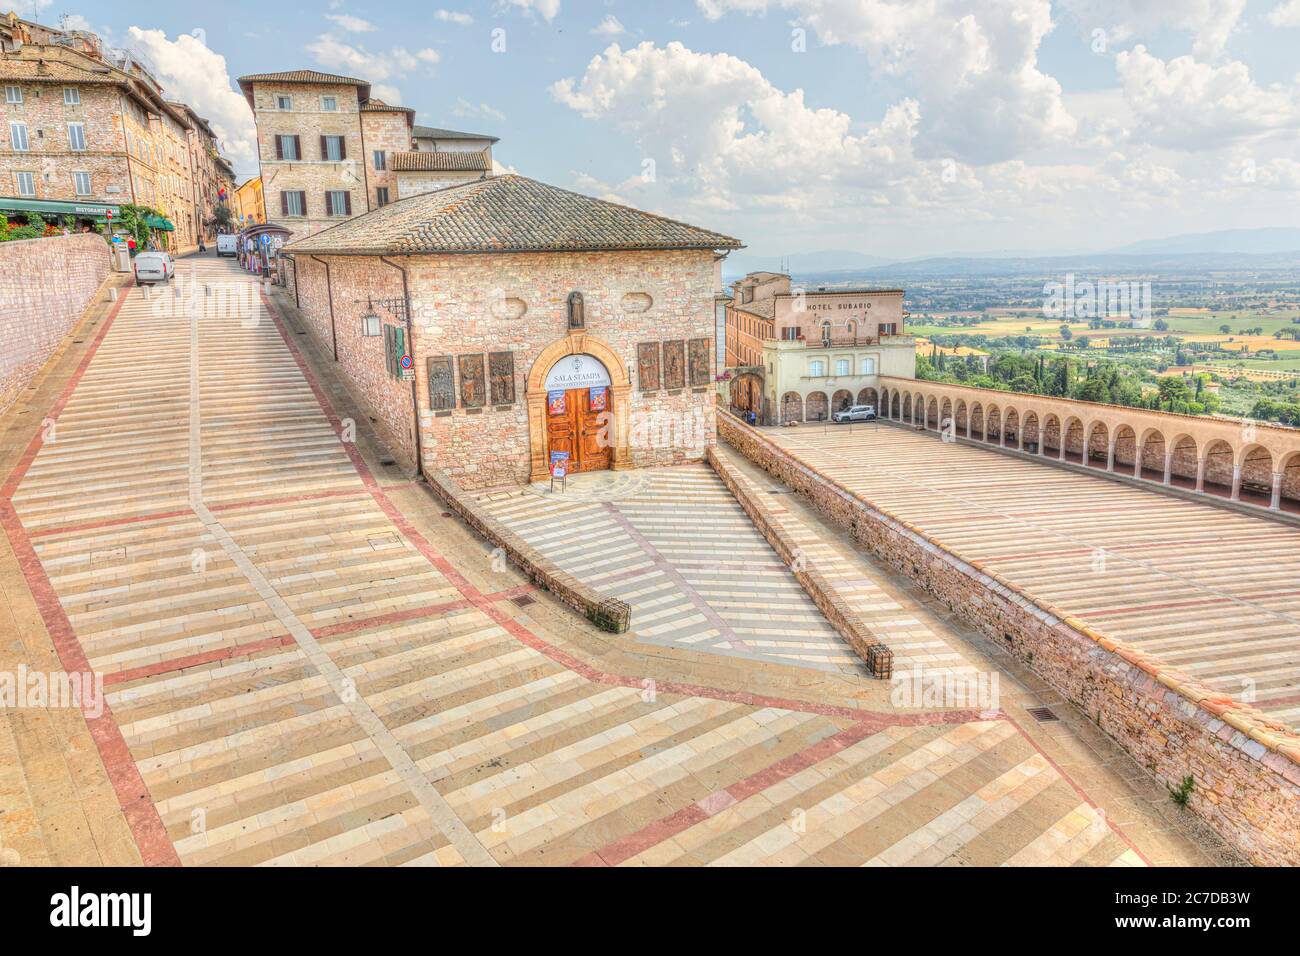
point(816, 407)
point(1098, 445)
point(841, 400)
point(1153, 450)
point(1125, 456)
point(945, 412)
point(577, 342)
point(962, 418)
point(932, 413)
point(791, 407)
point(1052, 439)
point(896, 409)
point(977, 420)
point(1218, 460)
point(1289, 484)
point(1073, 441)
point(1010, 427)
point(993, 424)
point(1031, 437)
point(907, 407)
point(746, 393)
point(1254, 479)
point(1183, 463)
point(868, 396)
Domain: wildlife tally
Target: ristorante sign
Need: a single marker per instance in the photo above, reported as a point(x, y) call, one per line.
point(577, 371)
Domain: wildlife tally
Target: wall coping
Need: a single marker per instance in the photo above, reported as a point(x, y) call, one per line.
point(1253, 723)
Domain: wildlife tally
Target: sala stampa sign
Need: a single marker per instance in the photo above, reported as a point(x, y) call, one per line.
point(577, 371)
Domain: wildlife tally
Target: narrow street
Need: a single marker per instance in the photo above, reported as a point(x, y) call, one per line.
point(306, 662)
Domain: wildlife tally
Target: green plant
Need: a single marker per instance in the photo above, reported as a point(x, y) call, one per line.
point(1183, 792)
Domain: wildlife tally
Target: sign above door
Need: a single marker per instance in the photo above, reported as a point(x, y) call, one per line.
point(577, 371)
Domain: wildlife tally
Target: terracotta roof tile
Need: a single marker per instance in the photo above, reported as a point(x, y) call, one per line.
point(506, 214)
point(477, 161)
point(301, 76)
point(434, 132)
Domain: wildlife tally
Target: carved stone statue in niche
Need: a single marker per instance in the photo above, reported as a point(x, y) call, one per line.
point(577, 311)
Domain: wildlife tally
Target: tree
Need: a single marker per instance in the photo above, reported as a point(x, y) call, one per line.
point(1066, 333)
point(1161, 325)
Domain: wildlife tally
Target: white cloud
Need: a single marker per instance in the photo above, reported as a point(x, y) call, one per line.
point(350, 23)
point(546, 9)
point(454, 16)
point(609, 27)
point(1210, 22)
point(1186, 104)
point(364, 64)
point(464, 108)
point(1285, 14)
point(197, 76)
point(971, 64)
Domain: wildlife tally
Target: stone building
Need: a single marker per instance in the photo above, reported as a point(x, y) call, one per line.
point(329, 151)
point(249, 206)
point(536, 321)
point(87, 129)
point(797, 355)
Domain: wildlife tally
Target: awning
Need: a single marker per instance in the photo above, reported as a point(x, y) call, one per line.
point(158, 222)
point(82, 210)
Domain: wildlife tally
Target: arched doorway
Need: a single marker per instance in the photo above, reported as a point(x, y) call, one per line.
point(867, 396)
point(791, 407)
point(842, 400)
point(747, 393)
point(817, 407)
point(578, 393)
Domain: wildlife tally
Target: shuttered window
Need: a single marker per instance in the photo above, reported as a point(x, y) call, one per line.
point(288, 147)
point(394, 349)
point(381, 162)
point(333, 148)
point(293, 203)
point(18, 137)
point(381, 195)
point(338, 202)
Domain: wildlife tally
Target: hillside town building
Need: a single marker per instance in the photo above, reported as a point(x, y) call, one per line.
point(249, 207)
point(87, 128)
point(496, 325)
point(795, 355)
point(329, 151)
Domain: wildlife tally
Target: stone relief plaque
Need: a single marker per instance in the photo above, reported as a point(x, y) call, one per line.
point(442, 387)
point(647, 366)
point(699, 355)
point(675, 364)
point(501, 377)
point(473, 389)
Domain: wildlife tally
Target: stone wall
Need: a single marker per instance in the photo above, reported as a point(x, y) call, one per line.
point(45, 285)
point(1245, 767)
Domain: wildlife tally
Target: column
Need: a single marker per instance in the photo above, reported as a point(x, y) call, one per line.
point(968, 417)
point(1110, 456)
point(1236, 483)
point(1061, 457)
point(1200, 475)
point(1275, 503)
point(1169, 467)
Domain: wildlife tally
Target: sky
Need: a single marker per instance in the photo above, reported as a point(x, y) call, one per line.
point(893, 128)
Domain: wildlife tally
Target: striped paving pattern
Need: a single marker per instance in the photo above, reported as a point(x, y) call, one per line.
point(297, 676)
point(680, 550)
point(1208, 591)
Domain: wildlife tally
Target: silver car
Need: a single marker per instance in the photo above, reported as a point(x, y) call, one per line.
point(152, 266)
point(858, 413)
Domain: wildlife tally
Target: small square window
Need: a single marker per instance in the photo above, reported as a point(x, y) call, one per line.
point(26, 184)
point(81, 181)
point(71, 96)
point(13, 94)
point(381, 161)
point(283, 102)
point(77, 137)
point(18, 137)
point(329, 104)
point(381, 195)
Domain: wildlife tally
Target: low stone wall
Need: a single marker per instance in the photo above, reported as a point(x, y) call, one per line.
point(878, 657)
point(1245, 766)
point(45, 285)
point(609, 614)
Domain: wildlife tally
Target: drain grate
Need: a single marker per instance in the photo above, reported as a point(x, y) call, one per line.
point(1042, 714)
point(523, 600)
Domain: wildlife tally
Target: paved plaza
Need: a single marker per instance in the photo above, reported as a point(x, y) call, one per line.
point(306, 661)
point(1208, 591)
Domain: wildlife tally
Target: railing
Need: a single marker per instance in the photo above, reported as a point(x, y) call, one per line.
point(838, 342)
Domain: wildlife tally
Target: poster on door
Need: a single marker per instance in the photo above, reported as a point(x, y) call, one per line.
point(599, 399)
point(557, 403)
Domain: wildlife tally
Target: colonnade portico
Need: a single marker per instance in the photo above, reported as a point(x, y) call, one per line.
point(1242, 461)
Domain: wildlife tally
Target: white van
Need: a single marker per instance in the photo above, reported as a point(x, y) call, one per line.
point(227, 245)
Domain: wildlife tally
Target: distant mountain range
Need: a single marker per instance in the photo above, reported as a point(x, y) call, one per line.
point(1264, 249)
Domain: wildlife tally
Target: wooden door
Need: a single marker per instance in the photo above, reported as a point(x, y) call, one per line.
point(561, 432)
point(573, 426)
point(592, 431)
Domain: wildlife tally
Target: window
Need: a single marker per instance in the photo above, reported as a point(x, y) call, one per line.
point(26, 183)
point(288, 147)
point(817, 368)
point(381, 195)
point(332, 148)
point(842, 366)
point(380, 161)
point(293, 203)
point(867, 367)
point(338, 202)
point(13, 94)
point(394, 349)
point(283, 101)
point(81, 183)
point(18, 136)
point(77, 137)
point(329, 103)
point(71, 96)
point(888, 328)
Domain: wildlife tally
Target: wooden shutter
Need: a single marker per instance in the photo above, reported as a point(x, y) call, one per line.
point(324, 151)
point(329, 203)
point(297, 146)
point(279, 148)
point(284, 203)
point(347, 203)
point(399, 349)
point(343, 149)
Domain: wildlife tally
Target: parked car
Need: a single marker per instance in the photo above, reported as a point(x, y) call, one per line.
point(152, 266)
point(858, 413)
point(227, 245)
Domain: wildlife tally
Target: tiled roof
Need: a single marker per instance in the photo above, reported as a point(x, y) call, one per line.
point(763, 308)
point(424, 161)
point(301, 76)
point(54, 71)
point(433, 132)
point(506, 214)
point(379, 106)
